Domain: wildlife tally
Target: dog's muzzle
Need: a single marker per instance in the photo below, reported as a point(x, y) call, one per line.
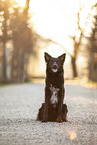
point(55, 68)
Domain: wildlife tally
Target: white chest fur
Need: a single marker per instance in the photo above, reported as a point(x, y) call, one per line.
point(54, 94)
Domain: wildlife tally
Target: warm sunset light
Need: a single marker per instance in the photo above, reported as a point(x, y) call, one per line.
point(21, 2)
point(57, 20)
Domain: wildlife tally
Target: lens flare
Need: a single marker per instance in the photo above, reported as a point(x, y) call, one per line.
point(72, 135)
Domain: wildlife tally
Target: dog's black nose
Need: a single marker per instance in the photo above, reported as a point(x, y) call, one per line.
point(55, 67)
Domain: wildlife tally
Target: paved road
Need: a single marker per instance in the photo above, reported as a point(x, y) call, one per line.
point(19, 105)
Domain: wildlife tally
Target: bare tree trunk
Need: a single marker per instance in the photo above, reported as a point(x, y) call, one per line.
point(4, 50)
point(73, 59)
point(25, 67)
point(20, 67)
point(92, 68)
point(73, 62)
point(12, 62)
point(4, 63)
point(27, 6)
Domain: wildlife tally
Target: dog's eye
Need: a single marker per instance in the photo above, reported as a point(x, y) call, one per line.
point(51, 61)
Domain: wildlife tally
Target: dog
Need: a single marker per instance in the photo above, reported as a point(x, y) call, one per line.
point(53, 109)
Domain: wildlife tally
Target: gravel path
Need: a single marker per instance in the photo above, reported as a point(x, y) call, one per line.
point(19, 106)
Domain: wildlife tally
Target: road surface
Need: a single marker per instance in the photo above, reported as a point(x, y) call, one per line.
point(19, 106)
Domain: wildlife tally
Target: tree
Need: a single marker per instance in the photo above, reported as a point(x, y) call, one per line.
point(78, 36)
point(23, 42)
point(93, 50)
point(14, 23)
point(77, 40)
point(4, 11)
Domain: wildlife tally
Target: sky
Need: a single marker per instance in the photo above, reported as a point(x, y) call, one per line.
point(56, 19)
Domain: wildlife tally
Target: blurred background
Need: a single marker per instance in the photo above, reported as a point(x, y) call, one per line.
point(28, 28)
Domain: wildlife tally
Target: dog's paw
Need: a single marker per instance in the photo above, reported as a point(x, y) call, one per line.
point(45, 119)
point(59, 119)
point(64, 117)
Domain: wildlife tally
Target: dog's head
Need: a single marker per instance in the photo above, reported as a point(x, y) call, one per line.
point(54, 65)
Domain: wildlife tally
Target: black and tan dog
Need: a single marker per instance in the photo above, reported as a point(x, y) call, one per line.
point(53, 109)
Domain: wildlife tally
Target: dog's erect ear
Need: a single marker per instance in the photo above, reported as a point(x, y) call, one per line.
point(47, 57)
point(62, 57)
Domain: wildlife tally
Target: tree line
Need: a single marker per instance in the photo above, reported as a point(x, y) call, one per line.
point(93, 50)
point(14, 27)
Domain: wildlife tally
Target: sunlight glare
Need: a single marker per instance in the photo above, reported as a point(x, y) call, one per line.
point(21, 2)
point(57, 19)
point(55, 50)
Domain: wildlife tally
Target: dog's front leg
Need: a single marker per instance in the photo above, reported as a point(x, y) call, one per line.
point(45, 113)
point(59, 118)
point(60, 105)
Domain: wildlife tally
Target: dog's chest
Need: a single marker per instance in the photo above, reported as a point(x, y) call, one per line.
point(54, 94)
